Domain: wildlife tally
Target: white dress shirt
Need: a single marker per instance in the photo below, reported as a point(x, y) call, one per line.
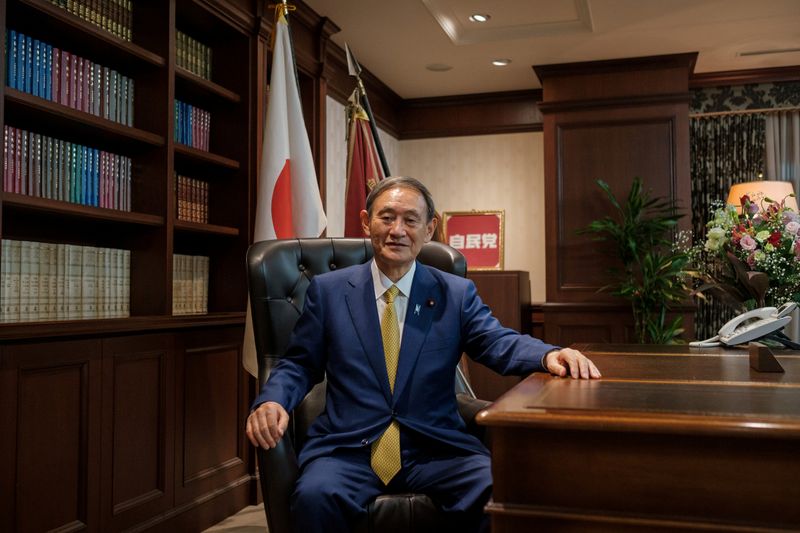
point(381, 284)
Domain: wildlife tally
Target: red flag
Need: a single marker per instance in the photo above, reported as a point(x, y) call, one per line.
point(363, 166)
point(288, 201)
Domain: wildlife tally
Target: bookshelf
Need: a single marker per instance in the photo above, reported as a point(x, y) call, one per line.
point(154, 367)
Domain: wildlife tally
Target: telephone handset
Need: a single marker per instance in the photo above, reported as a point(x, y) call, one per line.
point(751, 325)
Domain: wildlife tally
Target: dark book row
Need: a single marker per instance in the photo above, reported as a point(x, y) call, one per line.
point(192, 55)
point(114, 16)
point(192, 199)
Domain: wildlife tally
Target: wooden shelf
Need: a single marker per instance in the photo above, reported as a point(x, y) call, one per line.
point(201, 88)
point(69, 328)
point(197, 227)
point(28, 111)
point(31, 203)
point(44, 19)
point(193, 155)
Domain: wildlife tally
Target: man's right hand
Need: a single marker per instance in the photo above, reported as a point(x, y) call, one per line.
point(267, 424)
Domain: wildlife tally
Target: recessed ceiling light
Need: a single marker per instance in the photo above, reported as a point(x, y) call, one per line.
point(438, 67)
point(479, 17)
point(500, 62)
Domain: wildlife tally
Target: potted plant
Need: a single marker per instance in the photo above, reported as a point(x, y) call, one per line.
point(652, 276)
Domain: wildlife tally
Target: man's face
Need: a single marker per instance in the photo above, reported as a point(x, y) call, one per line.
point(398, 228)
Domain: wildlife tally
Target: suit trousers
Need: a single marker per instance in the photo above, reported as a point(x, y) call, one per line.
point(333, 492)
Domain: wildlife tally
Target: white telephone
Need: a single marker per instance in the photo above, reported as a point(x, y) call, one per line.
point(751, 325)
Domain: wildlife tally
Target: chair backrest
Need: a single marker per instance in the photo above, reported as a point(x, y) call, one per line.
point(279, 272)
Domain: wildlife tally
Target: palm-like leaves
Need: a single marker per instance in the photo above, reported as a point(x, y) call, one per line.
point(653, 275)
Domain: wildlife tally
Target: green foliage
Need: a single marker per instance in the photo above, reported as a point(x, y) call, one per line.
point(653, 277)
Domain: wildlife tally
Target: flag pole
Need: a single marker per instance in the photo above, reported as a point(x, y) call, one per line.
point(354, 69)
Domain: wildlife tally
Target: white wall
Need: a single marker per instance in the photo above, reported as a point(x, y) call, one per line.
point(483, 172)
point(335, 165)
point(490, 172)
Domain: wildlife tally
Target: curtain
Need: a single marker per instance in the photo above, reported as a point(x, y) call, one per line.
point(725, 149)
point(783, 147)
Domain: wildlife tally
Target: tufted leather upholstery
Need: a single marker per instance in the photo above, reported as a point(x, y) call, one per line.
point(279, 274)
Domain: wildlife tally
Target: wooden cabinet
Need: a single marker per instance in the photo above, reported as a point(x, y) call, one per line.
point(133, 422)
point(508, 295)
point(128, 431)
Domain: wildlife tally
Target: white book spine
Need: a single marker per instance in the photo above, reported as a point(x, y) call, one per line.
point(126, 283)
point(44, 281)
point(61, 274)
point(102, 312)
point(177, 288)
point(74, 255)
point(25, 282)
point(204, 287)
point(108, 274)
point(52, 253)
point(114, 282)
point(5, 277)
point(35, 282)
point(197, 284)
point(186, 284)
point(14, 295)
point(89, 283)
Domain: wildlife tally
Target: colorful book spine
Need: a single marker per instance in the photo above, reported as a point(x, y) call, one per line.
point(38, 165)
point(37, 68)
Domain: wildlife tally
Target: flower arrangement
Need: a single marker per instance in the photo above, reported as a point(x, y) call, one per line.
point(751, 256)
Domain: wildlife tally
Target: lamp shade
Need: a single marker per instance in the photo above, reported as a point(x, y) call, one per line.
point(758, 190)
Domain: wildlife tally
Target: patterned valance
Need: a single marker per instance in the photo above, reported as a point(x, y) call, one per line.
point(744, 97)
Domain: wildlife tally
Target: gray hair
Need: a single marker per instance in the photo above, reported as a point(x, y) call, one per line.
point(403, 182)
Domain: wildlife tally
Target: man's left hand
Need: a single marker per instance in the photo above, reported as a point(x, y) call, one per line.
point(572, 362)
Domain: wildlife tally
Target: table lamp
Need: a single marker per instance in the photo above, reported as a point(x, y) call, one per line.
point(758, 190)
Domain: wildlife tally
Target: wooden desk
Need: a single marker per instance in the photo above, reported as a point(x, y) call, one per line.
point(671, 438)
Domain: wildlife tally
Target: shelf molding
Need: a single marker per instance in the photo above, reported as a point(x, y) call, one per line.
point(71, 328)
point(205, 157)
point(207, 86)
point(34, 203)
point(198, 227)
point(15, 98)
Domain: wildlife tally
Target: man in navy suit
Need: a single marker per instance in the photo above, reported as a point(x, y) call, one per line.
point(376, 401)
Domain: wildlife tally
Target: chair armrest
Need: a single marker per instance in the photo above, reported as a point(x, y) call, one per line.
point(468, 408)
point(278, 471)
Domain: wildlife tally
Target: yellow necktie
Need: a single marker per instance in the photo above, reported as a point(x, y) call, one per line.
point(385, 456)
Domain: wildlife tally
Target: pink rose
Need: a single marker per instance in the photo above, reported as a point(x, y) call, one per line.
point(793, 227)
point(748, 243)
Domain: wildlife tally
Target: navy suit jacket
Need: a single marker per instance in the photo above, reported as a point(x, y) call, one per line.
point(338, 335)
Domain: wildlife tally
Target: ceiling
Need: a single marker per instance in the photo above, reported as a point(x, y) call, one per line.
point(396, 39)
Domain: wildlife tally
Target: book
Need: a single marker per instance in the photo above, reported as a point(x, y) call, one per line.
point(13, 250)
point(13, 58)
point(73, 281)
point(89, 282)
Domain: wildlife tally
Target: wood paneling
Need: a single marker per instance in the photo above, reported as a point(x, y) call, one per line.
point(138, 421)
point(741, 77)
point(612, 120)
point(476, 114)
point(507, 293)
point(211, 447)
point(51, 436)
point(603, 146)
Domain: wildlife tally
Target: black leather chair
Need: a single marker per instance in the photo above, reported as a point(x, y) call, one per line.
point(279, 274)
